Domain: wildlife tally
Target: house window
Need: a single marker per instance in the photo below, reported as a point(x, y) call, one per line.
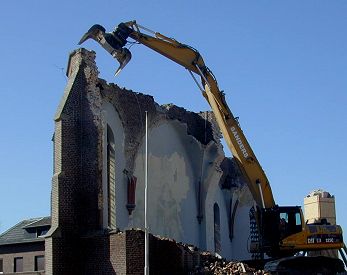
point(39, 263)
point(1, 266)
point(217, 239)
point(111, 178)
point(18, 264)
point(41, 231)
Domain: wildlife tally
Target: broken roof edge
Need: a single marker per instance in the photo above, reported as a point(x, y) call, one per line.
point(79, 51)
point(202, 125)
point(197, 125)
point(77, 59)
point(201, 128)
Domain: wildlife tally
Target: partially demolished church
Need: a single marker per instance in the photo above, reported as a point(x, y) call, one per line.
point(197, 196)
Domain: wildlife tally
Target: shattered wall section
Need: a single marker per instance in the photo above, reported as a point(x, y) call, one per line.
point(131, 108)
point(182, 149)
point(188, 172)
point(198, 125)
point(100, 127)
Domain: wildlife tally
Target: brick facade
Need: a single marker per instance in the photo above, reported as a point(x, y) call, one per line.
point(27, 251)
point(76, 181)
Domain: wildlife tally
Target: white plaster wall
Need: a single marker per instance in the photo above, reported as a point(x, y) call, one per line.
point(176, 164)
point(215, 195)
point(240, 242)
point(111, 118)
point(223, 199)
point(174, 161)
point(237, 248)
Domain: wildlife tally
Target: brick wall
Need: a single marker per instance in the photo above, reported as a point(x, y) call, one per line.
point(76, 182)
point(135, 257)
point(118, 252)
point(165, 256)
point(104, 254)
point(123, 254)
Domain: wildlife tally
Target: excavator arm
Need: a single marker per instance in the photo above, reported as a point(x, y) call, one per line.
point(191, 59)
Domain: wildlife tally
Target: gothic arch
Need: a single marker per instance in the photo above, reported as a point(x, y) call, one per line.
point(216, 226)
point(111, 178)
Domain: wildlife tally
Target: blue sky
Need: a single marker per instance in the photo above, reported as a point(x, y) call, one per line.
point(282, 65)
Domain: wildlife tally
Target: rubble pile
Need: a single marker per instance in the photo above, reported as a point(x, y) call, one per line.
point(216, 266)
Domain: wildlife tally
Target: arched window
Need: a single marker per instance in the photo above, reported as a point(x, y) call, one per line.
point(111, 179)
point(217, 239)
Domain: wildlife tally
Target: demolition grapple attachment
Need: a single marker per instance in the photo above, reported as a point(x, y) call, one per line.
point(112, 42)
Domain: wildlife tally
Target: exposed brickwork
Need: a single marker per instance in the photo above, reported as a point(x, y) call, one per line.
point(49, 255)
point(165, 256)
point(95, 255)
point(132, 116)
point(135, 257)
point(76, 180)
point(118, 252)
point(197, 126)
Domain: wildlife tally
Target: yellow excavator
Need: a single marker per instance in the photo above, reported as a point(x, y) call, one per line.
point(283, 232)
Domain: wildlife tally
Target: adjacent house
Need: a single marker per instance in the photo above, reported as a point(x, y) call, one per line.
point(22, 247)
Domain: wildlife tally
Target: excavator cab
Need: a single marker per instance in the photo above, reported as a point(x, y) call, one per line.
point(278, 223)
point(290, 221)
